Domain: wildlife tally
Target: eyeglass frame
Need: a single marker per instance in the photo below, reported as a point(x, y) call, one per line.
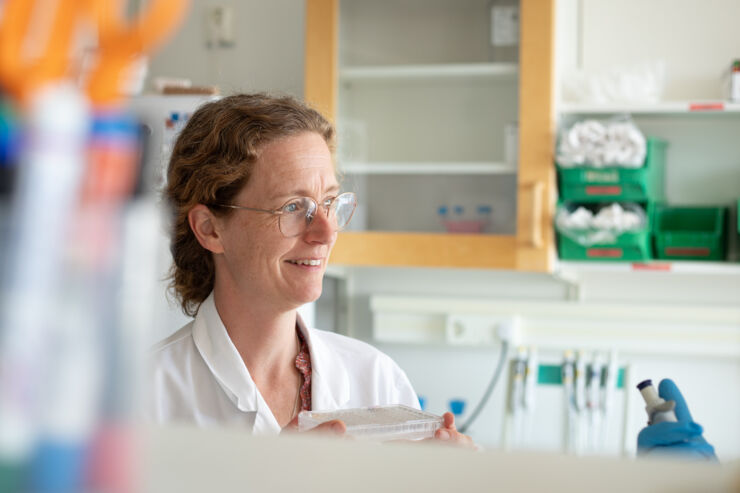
point(280, 212)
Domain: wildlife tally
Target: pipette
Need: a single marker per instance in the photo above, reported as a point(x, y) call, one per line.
point(658, 409)
point(571, 412)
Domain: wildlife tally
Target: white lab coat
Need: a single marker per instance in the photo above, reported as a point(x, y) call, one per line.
point(198, 377)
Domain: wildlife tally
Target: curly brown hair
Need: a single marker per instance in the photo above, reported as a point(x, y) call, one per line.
point(211, 162)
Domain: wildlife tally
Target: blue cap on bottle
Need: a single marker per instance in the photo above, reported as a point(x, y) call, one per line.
point(457, 406)
point(644, 383)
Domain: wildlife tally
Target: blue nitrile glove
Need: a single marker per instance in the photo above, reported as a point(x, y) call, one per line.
point(682, 439)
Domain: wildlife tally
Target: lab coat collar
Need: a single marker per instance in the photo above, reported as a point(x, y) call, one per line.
point(222, 357)
point(330, 387)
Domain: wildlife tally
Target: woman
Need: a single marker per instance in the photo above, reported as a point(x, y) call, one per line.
point(257, 207)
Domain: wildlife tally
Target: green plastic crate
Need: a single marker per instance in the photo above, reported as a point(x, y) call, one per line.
point(690, 233)
point(628, 246)
point(589, 184)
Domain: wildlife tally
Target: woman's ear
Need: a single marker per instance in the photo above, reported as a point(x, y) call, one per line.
point(203, 223)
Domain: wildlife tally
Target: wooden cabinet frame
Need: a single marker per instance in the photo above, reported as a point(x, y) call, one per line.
point(533, 246)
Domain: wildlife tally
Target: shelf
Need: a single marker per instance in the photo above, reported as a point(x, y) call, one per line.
point(426, 168)
point(390, 72)
point(667, 107)
point(657, 266)
point(425, 250)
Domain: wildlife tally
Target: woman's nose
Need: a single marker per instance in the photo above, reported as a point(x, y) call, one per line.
point(322, 226)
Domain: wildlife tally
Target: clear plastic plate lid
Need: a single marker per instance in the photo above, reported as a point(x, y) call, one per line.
point(378, 423)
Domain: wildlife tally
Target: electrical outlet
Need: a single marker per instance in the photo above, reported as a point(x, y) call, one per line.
point(469, 330)
point(504, 25)
point(464, 329)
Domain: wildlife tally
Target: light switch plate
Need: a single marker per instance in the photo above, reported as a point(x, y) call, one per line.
point(504, 25)
point(219, 24)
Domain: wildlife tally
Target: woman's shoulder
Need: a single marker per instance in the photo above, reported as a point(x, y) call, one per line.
point(340, 341)
point(349, 348)
point(373, 376)
point(177, 343)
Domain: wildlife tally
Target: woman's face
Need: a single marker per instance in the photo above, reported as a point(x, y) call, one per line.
point(258, 261)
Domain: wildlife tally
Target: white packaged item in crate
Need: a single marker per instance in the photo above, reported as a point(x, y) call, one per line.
point(594, 143)
point(379, 423)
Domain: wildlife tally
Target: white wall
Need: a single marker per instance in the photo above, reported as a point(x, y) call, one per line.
point(697, 40)
point(267, 54)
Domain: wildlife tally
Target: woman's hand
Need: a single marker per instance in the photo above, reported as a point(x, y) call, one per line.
point(334, 427)
point(448, 434)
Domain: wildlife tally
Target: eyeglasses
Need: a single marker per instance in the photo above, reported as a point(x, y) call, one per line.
point(296, 215)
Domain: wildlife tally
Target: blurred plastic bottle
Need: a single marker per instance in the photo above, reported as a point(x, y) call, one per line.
point(464, 219)
point(735, 82)
point(457, 407)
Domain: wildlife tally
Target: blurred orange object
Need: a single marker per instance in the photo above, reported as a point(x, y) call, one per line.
point(120, 43)
point(21, 73)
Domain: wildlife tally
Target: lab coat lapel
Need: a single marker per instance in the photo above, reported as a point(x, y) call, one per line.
point(330, 387)
point(219, 353)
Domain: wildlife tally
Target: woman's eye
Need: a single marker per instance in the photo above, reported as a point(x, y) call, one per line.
point(298, 206)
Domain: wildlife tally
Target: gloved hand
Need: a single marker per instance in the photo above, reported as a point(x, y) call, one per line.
point(683, 438)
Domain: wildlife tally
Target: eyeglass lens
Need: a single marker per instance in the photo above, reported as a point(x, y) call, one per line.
point(299, 213)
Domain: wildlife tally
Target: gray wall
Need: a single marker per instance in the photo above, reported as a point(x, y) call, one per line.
point(267, 53)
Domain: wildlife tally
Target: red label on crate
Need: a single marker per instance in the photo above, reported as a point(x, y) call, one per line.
point(599, 190)
point(706, 106)
point(604, 253)
point(687, 251)
point(659, 267)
